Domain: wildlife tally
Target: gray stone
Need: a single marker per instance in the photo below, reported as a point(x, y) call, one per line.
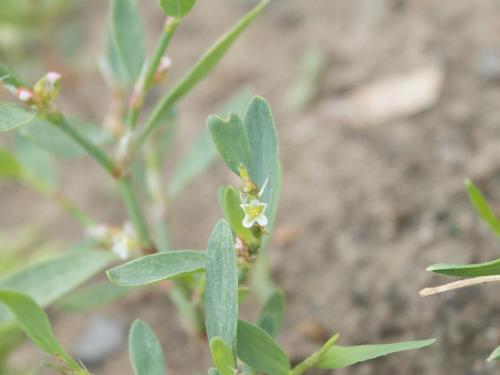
point(101, 337)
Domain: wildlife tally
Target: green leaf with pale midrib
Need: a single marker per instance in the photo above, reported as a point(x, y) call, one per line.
point(221, 292)
point(343, 356)
point(13, 115)
point(259, 350)
point(48, 281)
point(157, 267)
point(467, 270)
point(262, 135)
point(145, 350)
point(35, 323)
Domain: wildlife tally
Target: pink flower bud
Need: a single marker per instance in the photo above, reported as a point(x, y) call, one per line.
point(24, 95)
point(53, 78)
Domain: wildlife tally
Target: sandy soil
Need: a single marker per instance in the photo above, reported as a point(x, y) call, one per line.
point(369, 207)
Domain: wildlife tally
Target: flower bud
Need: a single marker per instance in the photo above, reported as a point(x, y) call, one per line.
point(24, 95)
point(163, 68)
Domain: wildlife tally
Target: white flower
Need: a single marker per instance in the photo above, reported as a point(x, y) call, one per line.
point(124, 241)
point(121, 245)
point(254, 213)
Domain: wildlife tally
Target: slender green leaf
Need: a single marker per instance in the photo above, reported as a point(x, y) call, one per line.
point(145, 350)
point(92, 297)
point(230, 140)
point(48, 281)
point(467, 270)
point(213, 371)
point(9, 166)
point(157, 267)
point(271, 317)
point(495, 355)
point(127, 35)
point(13, 115)
point(221, 293)
point(263, 138)
point(35, 323)
point(177, 8)
point(482, 207)
point(343, 356)
point(222, 356)
point(204, 66)
point(198, 158)
point(259, 350)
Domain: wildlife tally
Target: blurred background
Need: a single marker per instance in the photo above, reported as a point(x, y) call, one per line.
point(383, 109)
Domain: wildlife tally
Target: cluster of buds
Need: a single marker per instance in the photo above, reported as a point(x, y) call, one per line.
point(43, 93)
point(122, 241)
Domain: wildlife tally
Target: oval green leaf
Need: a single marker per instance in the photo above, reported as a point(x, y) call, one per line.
point(13, 115)
point(177, 8)
point(263, 138)
point(145, 350)
point(222, 356)
point(157, 267)
point(221, 293)
point(342, 356)
point(259, 350)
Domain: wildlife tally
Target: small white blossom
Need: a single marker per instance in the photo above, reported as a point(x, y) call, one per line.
point(124, 241)
point(254, 213)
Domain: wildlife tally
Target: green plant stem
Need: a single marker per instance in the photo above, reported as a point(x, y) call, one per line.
point(314, 358)
point(134, 212)
point(93, 150)
point(146, 79)
point(202, 67)
point(124, 182)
